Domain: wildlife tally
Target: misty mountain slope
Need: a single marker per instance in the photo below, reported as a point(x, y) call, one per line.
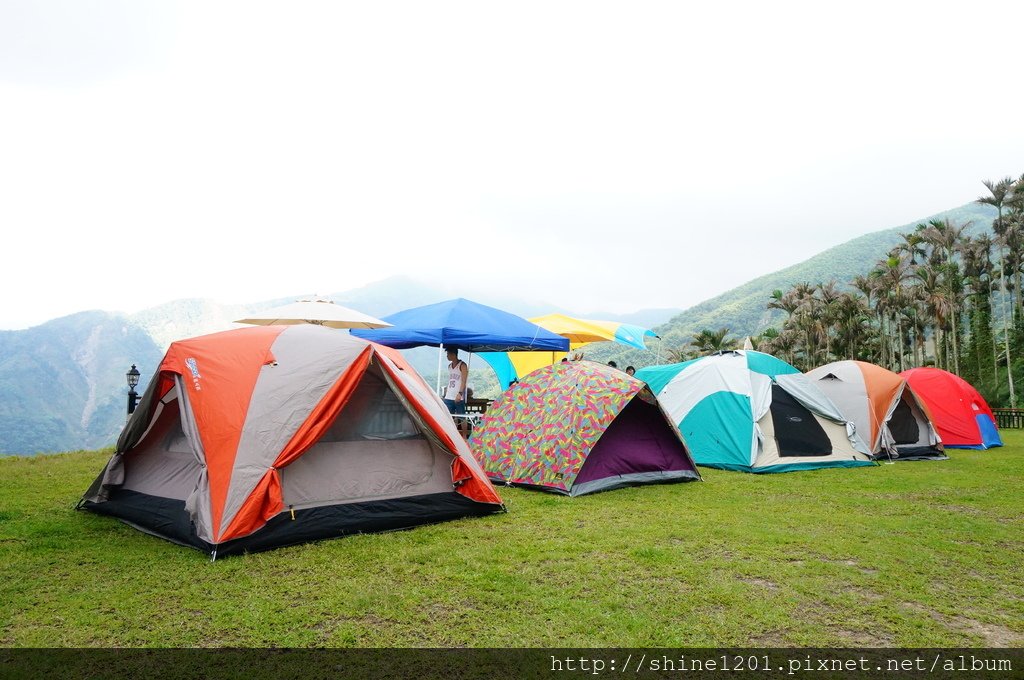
point(62, 384)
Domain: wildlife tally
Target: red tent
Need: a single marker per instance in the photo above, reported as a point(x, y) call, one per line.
point(961, 415)
point(266, 436)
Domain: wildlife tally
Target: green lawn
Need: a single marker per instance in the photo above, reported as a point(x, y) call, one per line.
point(916, 554)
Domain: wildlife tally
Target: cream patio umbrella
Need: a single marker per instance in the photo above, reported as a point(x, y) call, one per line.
point(318, 312)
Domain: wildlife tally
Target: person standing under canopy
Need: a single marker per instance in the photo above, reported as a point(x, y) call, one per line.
point(455, 390)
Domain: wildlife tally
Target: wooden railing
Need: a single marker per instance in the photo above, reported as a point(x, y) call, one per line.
point(1007, 418)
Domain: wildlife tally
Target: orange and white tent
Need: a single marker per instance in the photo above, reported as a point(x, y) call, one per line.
point(888, 415)
point(272, 435)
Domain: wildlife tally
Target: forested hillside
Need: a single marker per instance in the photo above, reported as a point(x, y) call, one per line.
point(744, 310)
point(946, 292)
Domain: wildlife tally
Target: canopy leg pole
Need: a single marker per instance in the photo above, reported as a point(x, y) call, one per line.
point(439, 354)
point(467, 422)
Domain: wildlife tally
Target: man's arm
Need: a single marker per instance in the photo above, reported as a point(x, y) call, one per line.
point(464, 371)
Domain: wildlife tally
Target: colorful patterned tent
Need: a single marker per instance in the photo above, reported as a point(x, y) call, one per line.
point(580, 427)
point(890, 417)
point(961, 415)
point(748, 411)
point(271, 435)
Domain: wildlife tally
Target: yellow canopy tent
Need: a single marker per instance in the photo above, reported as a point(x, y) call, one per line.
point(579, 332)
point(512, 366)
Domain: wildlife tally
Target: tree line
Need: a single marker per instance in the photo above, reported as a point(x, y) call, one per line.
point(943, 296)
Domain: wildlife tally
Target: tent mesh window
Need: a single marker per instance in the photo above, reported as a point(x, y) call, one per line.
point(902, 425)
point(797, 431)
point(373, 412)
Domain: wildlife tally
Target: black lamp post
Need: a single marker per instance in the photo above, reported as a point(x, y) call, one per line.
point(133, 396)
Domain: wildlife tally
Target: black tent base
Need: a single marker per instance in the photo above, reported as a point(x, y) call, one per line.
point(166, 518)
point(913, 453)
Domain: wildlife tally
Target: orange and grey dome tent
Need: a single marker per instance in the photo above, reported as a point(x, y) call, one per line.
point(888, 414)
point(259, 437)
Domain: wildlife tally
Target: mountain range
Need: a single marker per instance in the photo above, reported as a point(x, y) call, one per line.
point(62, 383)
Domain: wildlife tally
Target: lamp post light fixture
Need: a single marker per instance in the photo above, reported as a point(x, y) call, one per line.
point(133, 396)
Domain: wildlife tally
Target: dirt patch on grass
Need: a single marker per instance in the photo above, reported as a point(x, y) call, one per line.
point(373, 630)
point(863, 593)
point(444, 610)
point(761, 582)
point(959, 509)
point(863, 638)
point(771, 638)
point(993, 634)
point(855, 564)
point(368, 621)
point(669, 584)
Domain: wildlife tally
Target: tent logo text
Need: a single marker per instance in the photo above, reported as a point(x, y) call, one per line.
point(193, 368)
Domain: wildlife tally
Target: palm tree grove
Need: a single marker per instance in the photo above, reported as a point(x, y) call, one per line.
point(946, 295)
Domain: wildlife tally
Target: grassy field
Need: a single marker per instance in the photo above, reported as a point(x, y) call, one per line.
point(913, 554)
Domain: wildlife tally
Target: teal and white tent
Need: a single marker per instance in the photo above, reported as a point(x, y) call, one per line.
point(749, 411)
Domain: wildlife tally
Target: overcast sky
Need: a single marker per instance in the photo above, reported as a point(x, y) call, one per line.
point(599, 156)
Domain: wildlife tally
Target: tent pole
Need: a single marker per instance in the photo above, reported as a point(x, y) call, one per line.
point(888, 451)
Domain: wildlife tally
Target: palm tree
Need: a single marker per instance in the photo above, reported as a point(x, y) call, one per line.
point(1001, 192)
point(976, 256)
point(829, 295)
point(1013, 239)
point(869, 288)
point(1016, 203)
point(783, 343)
point(890, 274)
point(917, 317)
point(675, 355)
point(913, 245)
point(805, 320)
point(852, 326)
point(708, 341)
point(791, 303)
point(937, 307)
point(787, 302)
point(945, 237)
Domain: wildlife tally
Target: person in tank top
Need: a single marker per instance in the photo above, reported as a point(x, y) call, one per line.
point(455, 388)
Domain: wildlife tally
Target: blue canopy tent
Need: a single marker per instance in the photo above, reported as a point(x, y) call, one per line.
point(468, 325)
point(465, 324)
